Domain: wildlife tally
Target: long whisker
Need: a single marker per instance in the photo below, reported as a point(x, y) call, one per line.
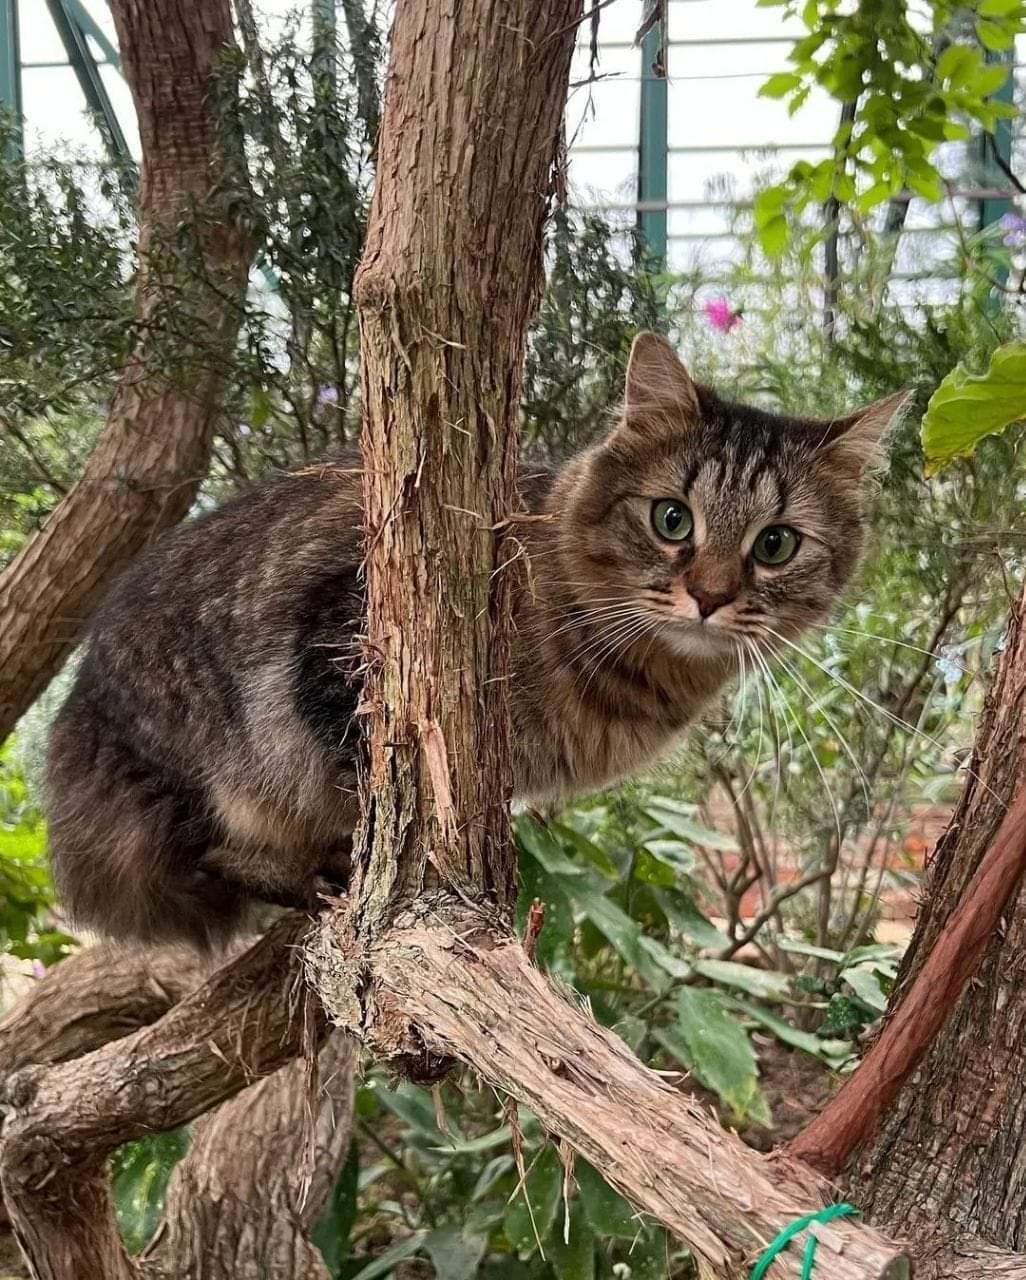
point(816, 705)
point(801, 730)
point(900, 644)
point(889, 715)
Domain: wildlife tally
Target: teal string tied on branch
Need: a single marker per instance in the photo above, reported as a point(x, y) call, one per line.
point(777, 1246)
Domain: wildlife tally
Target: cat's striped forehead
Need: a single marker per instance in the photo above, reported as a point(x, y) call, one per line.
point(736, 471)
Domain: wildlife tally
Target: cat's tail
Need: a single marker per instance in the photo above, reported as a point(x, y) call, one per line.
point(126, 839)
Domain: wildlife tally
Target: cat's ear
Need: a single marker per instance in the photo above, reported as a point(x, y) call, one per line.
point(658, 387)
point(857, 444)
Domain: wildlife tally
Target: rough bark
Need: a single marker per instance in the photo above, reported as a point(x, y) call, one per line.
point(450, 277)
point(95, 996)
point(950, 1149)
point(257, 1175)
point(456, 988)
point(153, 450)
point(851, 1116)
point(64, 1120)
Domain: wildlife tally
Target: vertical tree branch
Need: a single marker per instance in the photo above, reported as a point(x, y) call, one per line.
point(153, 450)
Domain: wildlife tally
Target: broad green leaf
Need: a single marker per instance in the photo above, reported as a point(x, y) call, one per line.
point(648, 1258)
point(764, 983)
point(967, 407)
point(532, 1211)
point(715, 1047)
point(542, 845)
point(675, 852)
point(780, 85)
point(866, 985)
point(796, 947)
point(649, 957)
point(607, 1211)
point(833, 1052)
point(454, 1254)
point(140, 1174)
point(332, 1229)
point(587, 849)
point(678, 818)
point(685, 918)
point(999, 8)
point(574, 1258)
point(414, 1105)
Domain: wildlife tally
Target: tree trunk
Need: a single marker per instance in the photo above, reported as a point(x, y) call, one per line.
point(243, 1200)
point(949, 1150)
point(153, 450)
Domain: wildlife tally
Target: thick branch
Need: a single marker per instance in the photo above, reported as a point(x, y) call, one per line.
point(460, 992)
point(95, 996)
point(64, 1121)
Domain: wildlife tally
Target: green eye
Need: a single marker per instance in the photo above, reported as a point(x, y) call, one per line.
point(672, 520)
point(777, 544)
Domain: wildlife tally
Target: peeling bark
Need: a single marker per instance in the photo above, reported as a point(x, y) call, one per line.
point(445, 982)
point(154, 448)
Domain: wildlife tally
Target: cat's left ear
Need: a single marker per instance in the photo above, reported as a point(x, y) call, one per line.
point(857, 444)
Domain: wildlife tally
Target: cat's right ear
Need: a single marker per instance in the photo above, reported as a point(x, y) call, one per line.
point(659, 391)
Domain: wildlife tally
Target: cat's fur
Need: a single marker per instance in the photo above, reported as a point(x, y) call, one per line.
point(206, 752)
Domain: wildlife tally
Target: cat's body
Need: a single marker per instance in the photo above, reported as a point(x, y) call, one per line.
point(207, 752)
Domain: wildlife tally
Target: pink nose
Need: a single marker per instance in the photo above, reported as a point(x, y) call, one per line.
point(709, 601)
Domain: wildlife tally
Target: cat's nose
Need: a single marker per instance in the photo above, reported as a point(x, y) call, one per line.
point(709, 601)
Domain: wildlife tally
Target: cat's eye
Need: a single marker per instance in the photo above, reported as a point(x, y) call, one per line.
point(776, 544)
point(672, 519)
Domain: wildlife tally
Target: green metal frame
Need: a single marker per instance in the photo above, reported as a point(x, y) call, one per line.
point(74, 26)
point(652, 146)
point(992, 209)
point(10, 72)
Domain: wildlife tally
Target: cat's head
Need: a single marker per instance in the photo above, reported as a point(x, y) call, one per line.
point(712, 520)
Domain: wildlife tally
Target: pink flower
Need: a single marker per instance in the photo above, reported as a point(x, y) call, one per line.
point(720, 314)
point(38, 969)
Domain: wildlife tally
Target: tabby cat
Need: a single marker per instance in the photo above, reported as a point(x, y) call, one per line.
point(205, 756)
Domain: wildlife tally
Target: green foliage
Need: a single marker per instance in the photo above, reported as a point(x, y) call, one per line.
point(905, 90)
point(26, 894)
point(140, 1175)
point(967, 407)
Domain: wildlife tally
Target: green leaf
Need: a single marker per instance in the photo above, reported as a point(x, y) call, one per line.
point(716, 1048)
point(332, 1229)
point(798, 948)
point(998, 38)
point(764, 983)
point(140, 1176)
point(866, 985)
point(607, 1211)
point(414, 1105)
point(833, 1052)
point(532, 1211)
point(780, 85)
point(965, 408)
point(999, 8)
point(455, 1254)
point(685, 918)
point(386, 1262)
point(652, 960)
point(588, 849)
point(574, 1258)
point(677, 817)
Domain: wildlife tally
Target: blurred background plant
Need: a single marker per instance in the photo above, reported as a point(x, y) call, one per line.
point(738, 916)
